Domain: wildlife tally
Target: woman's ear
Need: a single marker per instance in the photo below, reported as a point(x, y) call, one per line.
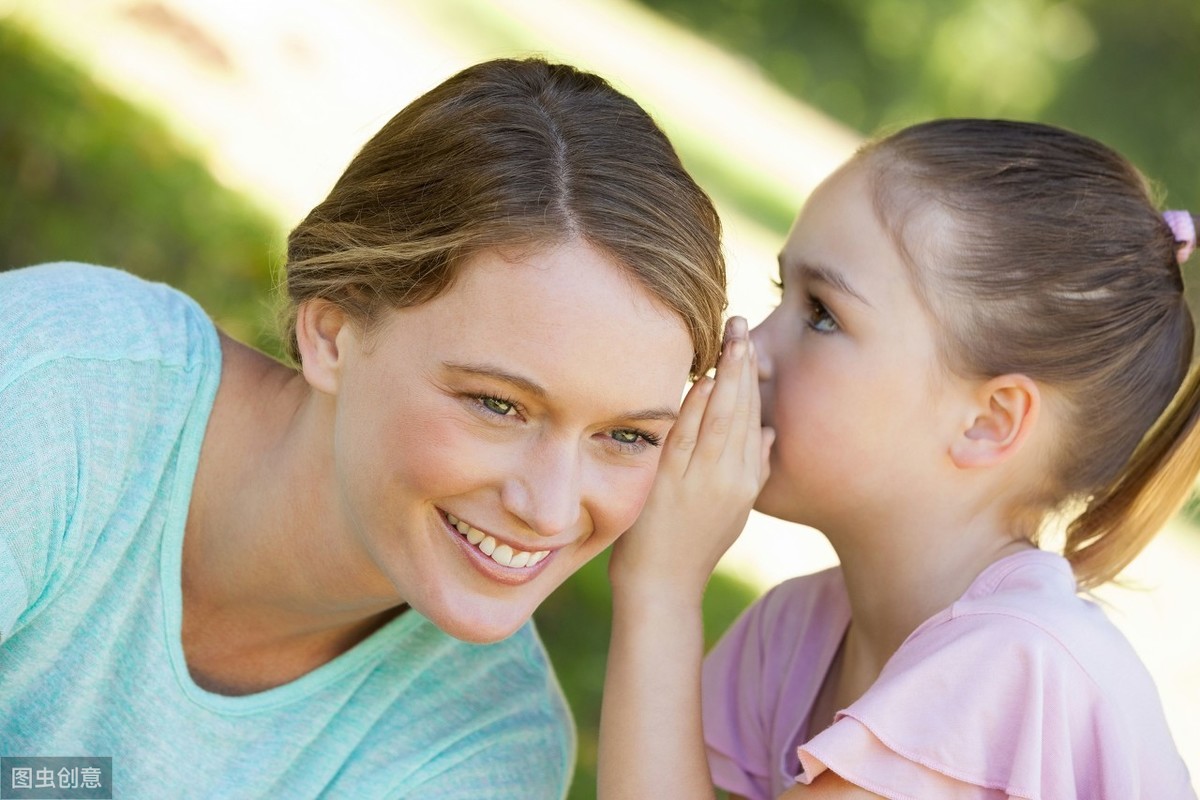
point(1001, 419)
point(323, 334)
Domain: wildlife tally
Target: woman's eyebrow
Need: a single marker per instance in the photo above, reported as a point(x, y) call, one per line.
point(818, 273)
point(489, 371)
point(538, 391)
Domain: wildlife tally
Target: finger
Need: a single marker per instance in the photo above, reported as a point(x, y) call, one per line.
point(681, 441)
point(718, 416)
point(753, 446)
point(739, 429)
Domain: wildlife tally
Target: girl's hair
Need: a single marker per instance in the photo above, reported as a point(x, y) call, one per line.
point(1052, 260)
point(510, 154)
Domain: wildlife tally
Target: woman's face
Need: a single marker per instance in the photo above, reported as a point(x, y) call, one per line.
point(490, 441)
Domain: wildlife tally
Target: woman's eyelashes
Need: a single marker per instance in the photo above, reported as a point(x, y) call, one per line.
point(626, 440)
point(632, 440)
point(499, 406)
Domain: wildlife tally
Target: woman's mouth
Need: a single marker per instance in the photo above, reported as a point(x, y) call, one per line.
point(503, 554)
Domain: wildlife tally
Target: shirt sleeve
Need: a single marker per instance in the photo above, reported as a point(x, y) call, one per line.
point(735, 731)
point(984, 706)
point(39, 488)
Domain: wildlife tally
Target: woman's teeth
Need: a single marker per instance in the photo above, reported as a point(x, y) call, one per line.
point(502, 554)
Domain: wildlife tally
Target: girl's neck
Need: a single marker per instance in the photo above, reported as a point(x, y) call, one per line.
point(898, 578)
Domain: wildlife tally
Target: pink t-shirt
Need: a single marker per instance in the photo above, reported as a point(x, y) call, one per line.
point(1020, 689)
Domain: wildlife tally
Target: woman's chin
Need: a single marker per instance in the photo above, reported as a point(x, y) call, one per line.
point(480, 628)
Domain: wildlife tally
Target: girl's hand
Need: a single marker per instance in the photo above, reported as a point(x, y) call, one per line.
point(713, 465)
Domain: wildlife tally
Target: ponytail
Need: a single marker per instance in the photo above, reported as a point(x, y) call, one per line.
point(1059, 265)
point(1118, 523)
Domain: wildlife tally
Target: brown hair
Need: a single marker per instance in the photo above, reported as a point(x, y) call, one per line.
point(510, 153)
point(1057, 264)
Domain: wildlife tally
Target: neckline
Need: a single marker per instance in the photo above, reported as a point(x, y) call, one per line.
point(210, 361)
point(986, 582)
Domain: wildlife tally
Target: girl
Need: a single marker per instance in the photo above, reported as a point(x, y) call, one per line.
point(982, 328)
point(240, 578)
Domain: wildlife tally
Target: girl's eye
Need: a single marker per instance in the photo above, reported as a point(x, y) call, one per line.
point(777, 282)
point(634, 440)
point(498, 405)
point(819, 318)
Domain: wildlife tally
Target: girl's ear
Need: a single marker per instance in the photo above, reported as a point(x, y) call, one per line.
point(323, 335)
point(1003, 415)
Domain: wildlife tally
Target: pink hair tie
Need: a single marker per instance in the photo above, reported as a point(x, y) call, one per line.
point(1183, 225)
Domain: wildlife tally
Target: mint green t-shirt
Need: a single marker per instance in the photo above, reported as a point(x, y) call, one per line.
point(106, 385)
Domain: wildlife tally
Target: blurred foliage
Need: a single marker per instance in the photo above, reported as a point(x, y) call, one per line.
point(575, 625)
point(1122, 72)
point(91, 178)
point(485, 25)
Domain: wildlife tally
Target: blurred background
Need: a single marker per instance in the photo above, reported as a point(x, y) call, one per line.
point(180, 139)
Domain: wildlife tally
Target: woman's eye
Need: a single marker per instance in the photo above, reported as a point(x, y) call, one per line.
point(497, 405)
point(631, 439)
point(819, 318)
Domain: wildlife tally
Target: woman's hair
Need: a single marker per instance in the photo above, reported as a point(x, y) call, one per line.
point(1051, 259)
point(510, 154)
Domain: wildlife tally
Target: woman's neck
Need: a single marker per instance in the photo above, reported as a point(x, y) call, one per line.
point(267, 563)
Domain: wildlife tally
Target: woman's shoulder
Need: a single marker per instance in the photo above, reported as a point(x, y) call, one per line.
point(82, 311)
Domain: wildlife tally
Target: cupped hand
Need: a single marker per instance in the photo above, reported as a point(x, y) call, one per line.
point(714, 463)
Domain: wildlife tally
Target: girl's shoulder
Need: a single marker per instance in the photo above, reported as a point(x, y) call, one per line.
point(762, 677)
point(804, 601)
point(1021, 686)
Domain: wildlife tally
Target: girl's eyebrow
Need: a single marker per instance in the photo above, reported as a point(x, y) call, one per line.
point(822, 274)
point(538, 391)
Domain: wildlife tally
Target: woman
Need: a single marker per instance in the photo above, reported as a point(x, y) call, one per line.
point(209, 561)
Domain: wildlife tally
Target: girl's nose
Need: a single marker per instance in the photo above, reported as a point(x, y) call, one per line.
point(762, 350)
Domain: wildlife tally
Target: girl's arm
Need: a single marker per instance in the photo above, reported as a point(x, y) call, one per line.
point(829, 786)
point(713, 464)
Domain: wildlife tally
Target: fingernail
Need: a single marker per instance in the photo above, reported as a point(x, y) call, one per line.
point(737, 327)
point(738, 348)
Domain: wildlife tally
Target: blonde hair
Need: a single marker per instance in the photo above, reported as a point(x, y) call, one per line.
point(1059, 266)
point(510, 153)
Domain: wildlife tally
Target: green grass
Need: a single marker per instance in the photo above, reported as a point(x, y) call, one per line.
point(89, 177)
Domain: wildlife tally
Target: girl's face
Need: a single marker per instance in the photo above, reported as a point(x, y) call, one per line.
point(491, 441)
point(850, 370)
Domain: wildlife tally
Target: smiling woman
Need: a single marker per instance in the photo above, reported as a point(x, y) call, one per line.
point(318, 579)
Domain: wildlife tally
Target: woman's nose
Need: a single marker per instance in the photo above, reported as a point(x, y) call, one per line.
point(545, 492)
